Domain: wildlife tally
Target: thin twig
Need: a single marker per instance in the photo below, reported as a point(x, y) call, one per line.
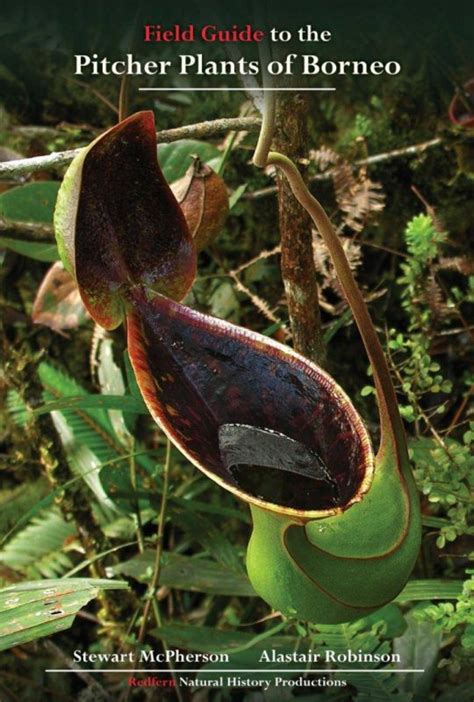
point(100, 692)
point(412, 150)
point(153, 587)
point(155, 579)
point(94, 92)
point(260, 304)
point(200, 130)
point(123, 97)
point(263, 254)
point(9, 694)
point(455, 420)
point(133, 481)
point(388, 249)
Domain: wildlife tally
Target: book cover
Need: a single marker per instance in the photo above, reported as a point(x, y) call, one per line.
point(237, 292)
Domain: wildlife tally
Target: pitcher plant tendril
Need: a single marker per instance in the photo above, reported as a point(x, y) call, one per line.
point(336, 530)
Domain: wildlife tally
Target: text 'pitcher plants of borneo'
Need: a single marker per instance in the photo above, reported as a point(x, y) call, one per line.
point(336, 529)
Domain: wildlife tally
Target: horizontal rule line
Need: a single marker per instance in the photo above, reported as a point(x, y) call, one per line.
point(238, 670)
point(247, 90)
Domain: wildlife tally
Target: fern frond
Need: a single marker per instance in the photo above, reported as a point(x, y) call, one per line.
point(360, 638)
point(87, 435)
point(92, 426)
point(357, 198)
point(38, 550)
point(324, 157)
point(17, 408)
point(323, 263)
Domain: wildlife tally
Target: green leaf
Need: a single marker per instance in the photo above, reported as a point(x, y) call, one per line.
point(270, 330)
point(187, 573)
point(93, 442)
point(224, 303)
point(31, 610)
point(39, 251)
point(203, 639)
point(19, 500)
point(33, 202)
point(83, 461)
point(433, 589)
point(363, 637)
point(459, 693)
point(112, 383)
point(338, 323)
point(418, 648)
point(436, 522)
point(236, 195)
point(38, 550)
point(194, 505)
point(175, 158)
point(211, 640)
point(249, 648)
point(117, 483)
point(109, 402)
point(391, 617)
point(212, 539)
point(422, 238)
point(133, 388)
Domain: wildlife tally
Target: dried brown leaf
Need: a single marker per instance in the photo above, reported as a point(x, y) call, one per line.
point(58, 304)
point(461, 264)
point(434, 297)
point(260, 304)
point(324, 157)
point(357, 198)
point(323, 263)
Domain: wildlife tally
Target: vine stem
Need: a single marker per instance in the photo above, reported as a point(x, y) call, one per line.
point(392, 431)
point(408, 151)
point(266, 131)
point(133, 480)
point(297, 262)
point(155, 579)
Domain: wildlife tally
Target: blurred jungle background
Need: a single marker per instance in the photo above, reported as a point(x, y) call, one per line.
point(89, 493)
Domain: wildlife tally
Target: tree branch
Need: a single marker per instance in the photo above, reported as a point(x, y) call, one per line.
point(201, 130)
point(27, 231)
point(412, 150)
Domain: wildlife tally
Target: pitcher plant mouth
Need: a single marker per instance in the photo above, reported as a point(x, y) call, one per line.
point(256, 417)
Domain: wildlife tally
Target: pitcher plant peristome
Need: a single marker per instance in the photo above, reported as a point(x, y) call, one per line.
point(336, 532)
